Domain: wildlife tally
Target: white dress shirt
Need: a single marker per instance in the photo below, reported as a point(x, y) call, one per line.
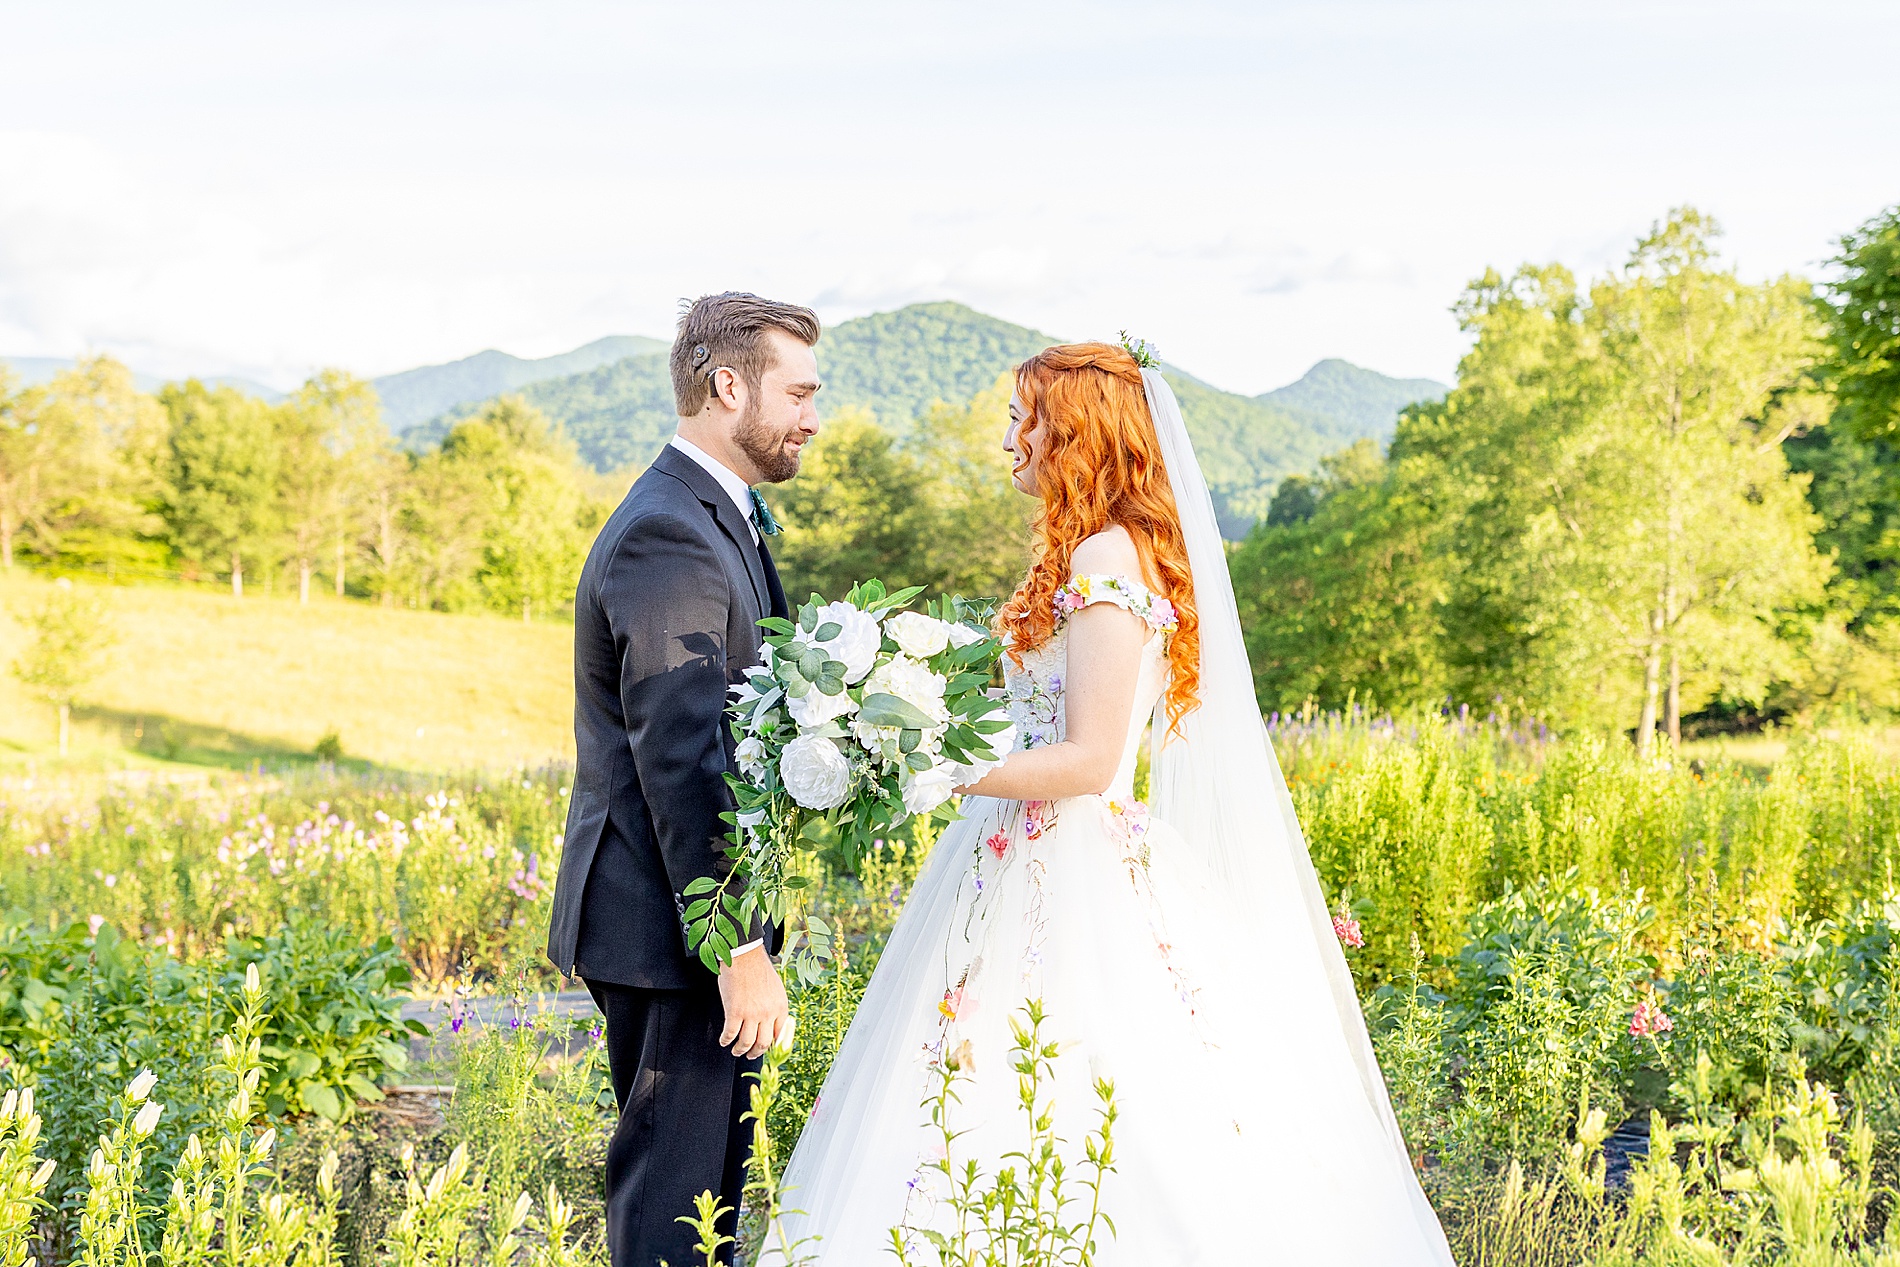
point(741, 494)
point(729, 479)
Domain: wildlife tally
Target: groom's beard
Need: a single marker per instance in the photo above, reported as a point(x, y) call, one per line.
point(770, 450)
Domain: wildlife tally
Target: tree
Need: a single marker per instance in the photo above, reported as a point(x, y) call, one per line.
point(444, 520)
point(1865, 328)
point(29, 465)
point(380, 492)
point(1630, 506)
point(535, 539)
point(1597, 525)
point(976, 538)
point(79, 466)
point(70, 636)
point(858, 509)
point(222, 502)
point(1346, 602)
point(324, 433)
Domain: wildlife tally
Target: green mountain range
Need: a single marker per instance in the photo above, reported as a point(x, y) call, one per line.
point(415, 396)
point(1363, 402)
point(615, 399)
point(897, 363)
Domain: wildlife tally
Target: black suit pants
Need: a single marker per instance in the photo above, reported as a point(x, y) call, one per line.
point(681, 1096)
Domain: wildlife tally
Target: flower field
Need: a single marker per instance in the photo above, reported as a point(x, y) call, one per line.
point(1629, 1010)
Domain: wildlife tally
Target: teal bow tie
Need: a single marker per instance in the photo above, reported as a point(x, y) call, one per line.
point(762, 515)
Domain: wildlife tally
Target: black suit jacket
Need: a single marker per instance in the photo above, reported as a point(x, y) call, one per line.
point(665, 619)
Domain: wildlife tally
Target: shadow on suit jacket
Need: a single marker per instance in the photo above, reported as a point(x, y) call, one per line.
point(665, 619)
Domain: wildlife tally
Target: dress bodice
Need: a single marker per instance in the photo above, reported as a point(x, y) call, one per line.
point(1035, 687)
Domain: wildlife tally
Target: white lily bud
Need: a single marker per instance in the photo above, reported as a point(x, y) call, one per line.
point(147, 1120)
point(782, 1047)
point(141, 1086)
point(253, 980)
point(44, 1173)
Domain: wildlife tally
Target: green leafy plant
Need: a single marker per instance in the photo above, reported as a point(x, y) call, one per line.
point(1019, 1215)
point(335, 1024)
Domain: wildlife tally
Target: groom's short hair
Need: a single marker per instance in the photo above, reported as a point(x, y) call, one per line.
point(729, 330)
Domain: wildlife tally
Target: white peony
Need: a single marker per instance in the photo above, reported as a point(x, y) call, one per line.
point(751, 758)
point(962, 635)
point(918, 636)
point(925, 790)
point(913, 683)
point(815, 708)
point(858, 640)
point(815, 773)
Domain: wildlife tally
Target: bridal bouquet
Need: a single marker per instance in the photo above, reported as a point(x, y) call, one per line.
point(862, 715)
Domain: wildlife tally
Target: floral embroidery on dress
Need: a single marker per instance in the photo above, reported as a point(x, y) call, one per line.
point(1129, 595)
point(1035, 707)
point(1128, 826)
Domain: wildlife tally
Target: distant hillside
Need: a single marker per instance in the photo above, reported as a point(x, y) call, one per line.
point(1363, 402)
point(897, 363)
point(618, 414)
point(31, 371)
point(417, 395)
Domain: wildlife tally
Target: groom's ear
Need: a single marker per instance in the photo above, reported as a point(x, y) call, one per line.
point(725, 384)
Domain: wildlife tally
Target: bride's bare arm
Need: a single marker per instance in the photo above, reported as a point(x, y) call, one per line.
point(1098, 693)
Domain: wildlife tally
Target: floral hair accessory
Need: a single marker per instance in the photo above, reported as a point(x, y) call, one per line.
point(1143, 351)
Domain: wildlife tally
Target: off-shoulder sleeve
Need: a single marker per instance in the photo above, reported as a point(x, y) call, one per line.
point(1084, 591)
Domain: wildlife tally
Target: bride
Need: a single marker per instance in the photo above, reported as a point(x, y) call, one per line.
point(1185, 954)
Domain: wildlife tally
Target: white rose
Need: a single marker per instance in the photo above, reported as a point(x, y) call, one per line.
point(962, 635)
point(918, 636)
point(858, 640)
point(815, 708)
point(925, 790)
point(914, 684)
point(751, 758)
point(815, 773)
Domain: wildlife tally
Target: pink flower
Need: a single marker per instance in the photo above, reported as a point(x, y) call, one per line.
point(997, 844)
point(1034, 824)
point(94, 922)
point(1649, 1019)
point(952, 1001)
point(1346, 928)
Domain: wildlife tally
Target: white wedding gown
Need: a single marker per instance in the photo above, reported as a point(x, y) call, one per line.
point(1253, 1124)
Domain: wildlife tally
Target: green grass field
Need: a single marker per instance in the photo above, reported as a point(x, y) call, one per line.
point(200, 678)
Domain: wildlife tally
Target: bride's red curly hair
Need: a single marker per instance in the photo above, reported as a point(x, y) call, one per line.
point(1086, 418)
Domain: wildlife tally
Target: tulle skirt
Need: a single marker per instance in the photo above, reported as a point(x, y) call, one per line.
point(1244, 1132)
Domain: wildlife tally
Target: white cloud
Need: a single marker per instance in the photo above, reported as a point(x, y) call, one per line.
point(229, 188)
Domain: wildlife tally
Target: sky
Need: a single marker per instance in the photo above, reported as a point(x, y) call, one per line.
point(267, 189)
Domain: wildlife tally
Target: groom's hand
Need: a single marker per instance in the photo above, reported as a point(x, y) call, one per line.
point(754, 1000)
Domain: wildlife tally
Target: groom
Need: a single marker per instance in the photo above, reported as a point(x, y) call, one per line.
point(665, 619)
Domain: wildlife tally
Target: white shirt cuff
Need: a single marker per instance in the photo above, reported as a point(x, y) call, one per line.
point(751, 945)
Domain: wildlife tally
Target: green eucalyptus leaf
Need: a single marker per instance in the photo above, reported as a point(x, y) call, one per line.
point(880, 709)
point(827, 631)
